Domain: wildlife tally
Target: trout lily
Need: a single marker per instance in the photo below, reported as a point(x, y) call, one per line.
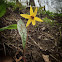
point(32, 17)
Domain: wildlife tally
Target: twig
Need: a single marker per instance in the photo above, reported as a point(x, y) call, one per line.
point(4, 49)
point(35, 42)
point(53, 57)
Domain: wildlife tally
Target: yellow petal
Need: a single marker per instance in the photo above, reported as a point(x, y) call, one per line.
point(38, 19)
point(33, 22)
point(28, 22)
point(35, 12)
point(25, 16)
point(31, 10)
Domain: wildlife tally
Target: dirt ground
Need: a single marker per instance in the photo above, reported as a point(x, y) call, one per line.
point(43, 43)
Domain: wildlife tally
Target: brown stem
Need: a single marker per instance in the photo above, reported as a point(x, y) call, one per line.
point(24, 55)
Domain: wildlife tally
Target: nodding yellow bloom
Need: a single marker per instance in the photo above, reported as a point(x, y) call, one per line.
point(32, 17)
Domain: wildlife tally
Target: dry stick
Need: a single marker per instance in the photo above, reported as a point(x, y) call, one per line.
point(54, 57)
point(4, 49)
point(35, 42)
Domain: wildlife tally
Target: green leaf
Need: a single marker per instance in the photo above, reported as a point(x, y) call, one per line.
point(2, 9)
point(13, 26)
point(48, 21)
point(22, 31)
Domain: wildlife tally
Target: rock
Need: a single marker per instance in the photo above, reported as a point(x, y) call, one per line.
point(51, 5)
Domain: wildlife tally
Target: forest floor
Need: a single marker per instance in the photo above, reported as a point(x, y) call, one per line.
point(43, 40)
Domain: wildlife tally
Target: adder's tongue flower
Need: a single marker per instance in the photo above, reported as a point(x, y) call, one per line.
point(32, 17)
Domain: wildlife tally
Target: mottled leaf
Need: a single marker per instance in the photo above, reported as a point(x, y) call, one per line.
point(22, 31)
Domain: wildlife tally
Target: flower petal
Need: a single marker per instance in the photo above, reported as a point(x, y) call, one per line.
point(33, 22)
point(28, 22)
point(31, 10)
point(35, 12)
point(38, 19)
point(25, 16)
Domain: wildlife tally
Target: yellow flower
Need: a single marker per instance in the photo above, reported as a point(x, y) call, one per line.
point(32, 17)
